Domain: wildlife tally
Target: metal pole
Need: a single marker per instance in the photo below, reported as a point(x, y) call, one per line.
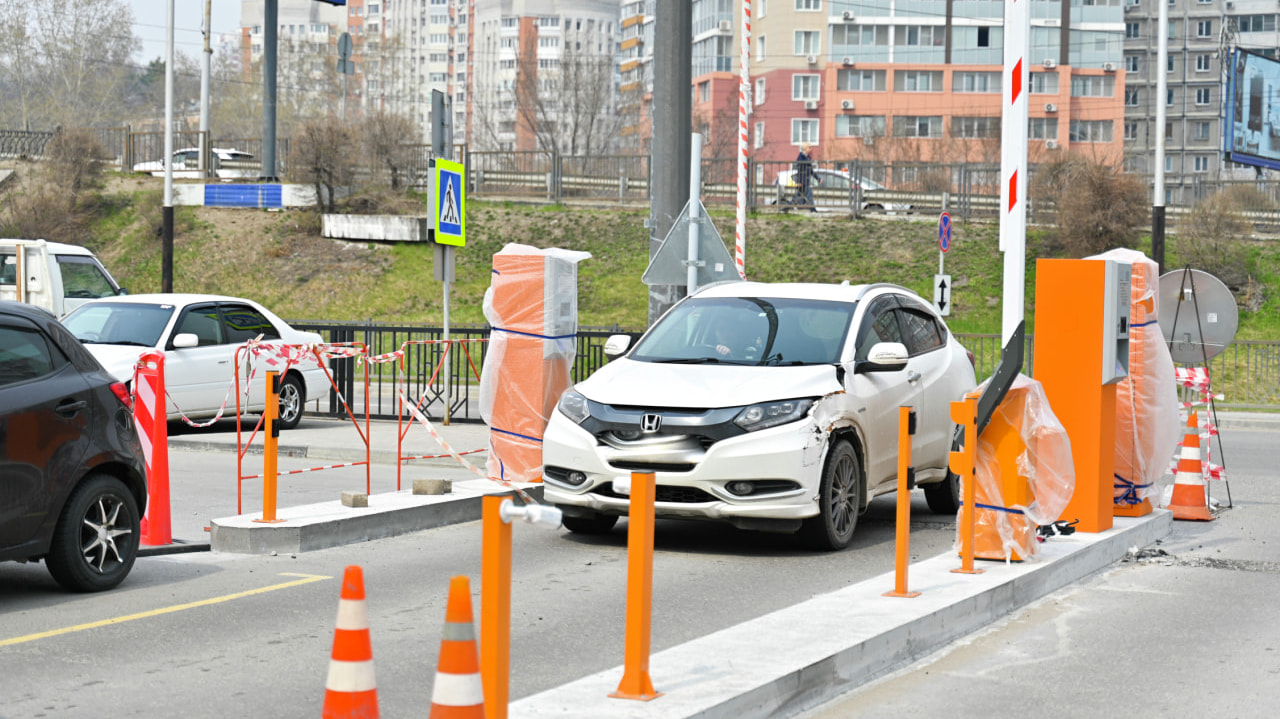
point(1162, 91)
point(270, 30)
point(695, 184)
point(672, 126)
point(166, 251)
point(205, 73)
point(440, 148)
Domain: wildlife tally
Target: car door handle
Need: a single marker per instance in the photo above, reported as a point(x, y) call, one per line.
point(913, 376)
point(70, 407)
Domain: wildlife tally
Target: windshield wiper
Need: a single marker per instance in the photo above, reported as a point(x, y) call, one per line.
point(122, 342)
point(691, 360)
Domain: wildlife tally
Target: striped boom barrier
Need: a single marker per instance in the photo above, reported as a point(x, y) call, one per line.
point(149, 415)
point(744, 107)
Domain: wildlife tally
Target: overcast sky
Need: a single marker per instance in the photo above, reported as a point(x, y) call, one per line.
point(149, 24)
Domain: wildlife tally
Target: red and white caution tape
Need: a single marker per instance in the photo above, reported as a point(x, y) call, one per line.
point(311, 469)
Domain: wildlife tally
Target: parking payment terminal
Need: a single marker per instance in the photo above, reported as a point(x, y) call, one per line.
point(1081, 353)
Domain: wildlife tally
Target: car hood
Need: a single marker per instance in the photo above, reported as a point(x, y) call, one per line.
point(649, 384)
point(118, 360)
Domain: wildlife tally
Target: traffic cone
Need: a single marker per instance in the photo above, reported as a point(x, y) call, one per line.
point(1188, 500)
point(350, 691)
point(458, 692)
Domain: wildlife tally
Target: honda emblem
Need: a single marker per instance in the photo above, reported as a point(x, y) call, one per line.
point(651, 422)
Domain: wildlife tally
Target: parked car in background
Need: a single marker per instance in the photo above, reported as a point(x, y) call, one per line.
point(199, 335)
point(72, 474)
point(52, 275)
point(771, 406)
point(227, 163)
point(833, 192)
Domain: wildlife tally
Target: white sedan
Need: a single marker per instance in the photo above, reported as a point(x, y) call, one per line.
point(227, 163)
point(199, 335)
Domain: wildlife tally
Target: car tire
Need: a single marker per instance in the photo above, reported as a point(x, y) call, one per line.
point(292, 400)
point(944, 497)
point(595, 524)
point(96, 540)
point(839, 500)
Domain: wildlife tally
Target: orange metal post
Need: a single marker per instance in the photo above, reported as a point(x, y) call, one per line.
point(1068, 347)
point(963, 463)
point(636, 683)
point(906, 475)
point(271, 447)
point(495, 609)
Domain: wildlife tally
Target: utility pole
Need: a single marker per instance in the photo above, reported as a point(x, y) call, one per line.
point(270, 30)
point(672, 133)
point(166, 213)
point(205, 70)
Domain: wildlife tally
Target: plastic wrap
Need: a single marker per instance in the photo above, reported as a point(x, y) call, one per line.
point(532, 307)
point(1025, 474)
point(1147, 423)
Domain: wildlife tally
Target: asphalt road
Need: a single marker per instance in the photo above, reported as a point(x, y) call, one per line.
point(1191, 633)
point(214, 634)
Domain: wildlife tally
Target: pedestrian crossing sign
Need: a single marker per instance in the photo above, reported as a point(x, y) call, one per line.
point(449, 215)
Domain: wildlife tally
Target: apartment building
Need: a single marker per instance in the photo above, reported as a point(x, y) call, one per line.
point(307, 36)
point(1200, 34)
point(635, 67)
point(426, 48)
point(909, 80)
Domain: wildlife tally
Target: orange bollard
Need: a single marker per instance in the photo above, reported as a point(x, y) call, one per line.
point(963, 464)
point(153, 429)
point(906, 480)
point(495, 608)
point(350, 691)
point(271, 441)
point(636, 683)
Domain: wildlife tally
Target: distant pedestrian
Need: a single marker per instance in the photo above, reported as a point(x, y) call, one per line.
point(805, 176)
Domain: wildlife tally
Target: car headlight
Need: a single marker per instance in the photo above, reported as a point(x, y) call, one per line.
point(574, 406)
point(771, 414)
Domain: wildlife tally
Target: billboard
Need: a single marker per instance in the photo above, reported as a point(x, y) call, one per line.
point(1252, 127)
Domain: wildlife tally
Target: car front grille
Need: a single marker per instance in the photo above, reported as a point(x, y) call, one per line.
point(663, 493)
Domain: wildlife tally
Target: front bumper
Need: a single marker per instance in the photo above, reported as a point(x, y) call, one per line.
point(786, 461)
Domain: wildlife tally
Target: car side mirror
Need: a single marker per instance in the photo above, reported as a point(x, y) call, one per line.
point(186, 339)
point(616, 346)
point(122, 290)
point(883, 357)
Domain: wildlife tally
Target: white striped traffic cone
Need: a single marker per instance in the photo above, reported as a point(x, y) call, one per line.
point(458, 692)
point(350, 691)
point(1188, 500)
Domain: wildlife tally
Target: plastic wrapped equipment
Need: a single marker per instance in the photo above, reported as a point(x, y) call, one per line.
point(532, 307)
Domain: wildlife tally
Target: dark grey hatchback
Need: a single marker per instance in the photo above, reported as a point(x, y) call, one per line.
point(72, 473)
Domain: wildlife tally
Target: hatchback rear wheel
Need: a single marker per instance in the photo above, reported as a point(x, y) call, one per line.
point(839, 500)
point(96, 540)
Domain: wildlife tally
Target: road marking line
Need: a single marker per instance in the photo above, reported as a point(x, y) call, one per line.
point(306, 579)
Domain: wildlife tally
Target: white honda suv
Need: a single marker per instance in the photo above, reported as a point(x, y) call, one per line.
point(771, 406)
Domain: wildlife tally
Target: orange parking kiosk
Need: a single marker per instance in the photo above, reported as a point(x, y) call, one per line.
point(1081, 352)
point(532, 306)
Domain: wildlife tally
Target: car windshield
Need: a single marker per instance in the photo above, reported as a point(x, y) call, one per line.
point(748, 331)
point(119, 323)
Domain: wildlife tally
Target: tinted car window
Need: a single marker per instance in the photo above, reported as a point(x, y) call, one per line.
point(922, 332)
point(25, 355)
point(245, 323)
point(880, 325)
point(119, 323)
point(202, 322)
point(81, 277)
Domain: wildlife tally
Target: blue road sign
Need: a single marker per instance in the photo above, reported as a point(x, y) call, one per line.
point(944, 232)
point(450, 200)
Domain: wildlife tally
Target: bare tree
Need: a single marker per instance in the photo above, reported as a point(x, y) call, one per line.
point(320, 154)
point(64, 59)
point(570, 108)
point(388, 141)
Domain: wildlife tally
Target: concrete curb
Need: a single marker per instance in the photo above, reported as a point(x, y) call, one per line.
point(331, 524)
point(794, 659)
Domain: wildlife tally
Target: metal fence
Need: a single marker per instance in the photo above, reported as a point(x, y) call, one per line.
point(1247, 374)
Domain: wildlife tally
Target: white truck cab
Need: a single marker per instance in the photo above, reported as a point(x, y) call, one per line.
point(52, 275)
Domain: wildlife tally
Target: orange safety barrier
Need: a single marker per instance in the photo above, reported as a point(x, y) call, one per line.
point(350, 690)
point(906, 480)
point(636, 683)
point(458, 692)
point(964, 464)
point(292, 355)
point(402, 427)
point(150, 416)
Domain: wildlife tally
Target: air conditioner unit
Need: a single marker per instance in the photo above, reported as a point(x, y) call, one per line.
point(1050, 144)
point(847, 62)
point(1050, 107)
point(868, 141)
point(1050, 63)
point(726, 26)
point(846, 104)
point(1230, 4)
point(1109, 66)
point(811, 59)
point(811, 104)
point(847, 16)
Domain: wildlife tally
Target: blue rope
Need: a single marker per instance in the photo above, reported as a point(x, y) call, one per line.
point(994, 508)
point(1130, 495)
point(1144, 324)
point(516, 434)
point(530, 334)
